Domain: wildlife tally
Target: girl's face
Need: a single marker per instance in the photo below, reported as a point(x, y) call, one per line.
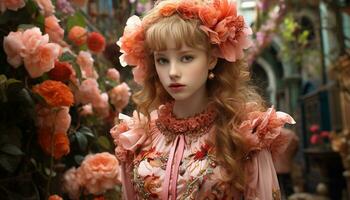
point(183, 72)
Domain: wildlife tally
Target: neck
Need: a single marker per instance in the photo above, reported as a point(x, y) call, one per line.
point(190, 107)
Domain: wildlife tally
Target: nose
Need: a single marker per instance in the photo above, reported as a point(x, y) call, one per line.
point(174, 71)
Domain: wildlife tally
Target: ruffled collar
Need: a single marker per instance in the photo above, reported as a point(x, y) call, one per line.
point(194, 126)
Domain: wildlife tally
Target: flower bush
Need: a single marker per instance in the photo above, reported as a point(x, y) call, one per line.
point(59, 97)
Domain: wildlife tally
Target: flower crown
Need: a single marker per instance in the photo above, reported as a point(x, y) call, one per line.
point(226, 30)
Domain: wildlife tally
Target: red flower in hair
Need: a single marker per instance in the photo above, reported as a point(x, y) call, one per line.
point(96, 42)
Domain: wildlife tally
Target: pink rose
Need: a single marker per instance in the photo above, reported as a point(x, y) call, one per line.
point(99, 172)
point(72, 183)
point(101, 105)
point(86, 110)
point(119, 96)
point(43, 60)
point(88, 92)
point(11, 5)
point(54, 30)
point(86, 63)
point(113, 74)
point(46, 7)
point(13, 46)
point(139, 74)
point(50, 118)
point(32, 39)
point(314, 139)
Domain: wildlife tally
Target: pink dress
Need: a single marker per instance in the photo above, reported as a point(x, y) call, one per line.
point(173, 158)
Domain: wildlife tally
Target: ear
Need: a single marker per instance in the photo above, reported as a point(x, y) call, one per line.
point(213, 60)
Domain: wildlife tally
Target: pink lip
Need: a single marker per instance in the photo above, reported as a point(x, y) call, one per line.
point(176, 87)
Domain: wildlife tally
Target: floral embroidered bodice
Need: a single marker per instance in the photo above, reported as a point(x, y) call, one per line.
point(174, 159)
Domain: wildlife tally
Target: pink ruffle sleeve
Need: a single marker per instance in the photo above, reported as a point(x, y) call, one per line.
point(129, 135)
point(262, 133)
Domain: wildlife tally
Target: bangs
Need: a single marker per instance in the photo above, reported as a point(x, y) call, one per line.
point(178, 30)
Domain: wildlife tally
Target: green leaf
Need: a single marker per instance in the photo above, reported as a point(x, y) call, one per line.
point(87, 131)
point(47, 172)
point(77, 19)
point(12, 81)
point(5, 164)
point(104, 142)
point(66, 56)
point(77, 71)
point(82, 140)
point(11, 150)
point(78, 159)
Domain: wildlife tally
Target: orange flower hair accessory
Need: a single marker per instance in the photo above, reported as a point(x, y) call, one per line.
point(219, 21)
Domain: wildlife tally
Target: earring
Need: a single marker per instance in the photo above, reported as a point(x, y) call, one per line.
point(211, 75)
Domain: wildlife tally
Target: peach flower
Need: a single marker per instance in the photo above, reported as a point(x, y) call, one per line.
point(11, 5)
point(72, 183)
point(99, 172)
point(46, 7)
point(86, 63)
point(187, 10)
point(32, 39)
point(88, 92)
point(101, 105)
point(53, 119)
point(77, 35)
point(55, 197)
point(119, 96)
point(13, 46)
point(43, 60)
point(113, 74)
point(54, 30)
point(86, 110)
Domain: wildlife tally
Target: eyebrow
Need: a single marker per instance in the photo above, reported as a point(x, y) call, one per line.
point(161, 53)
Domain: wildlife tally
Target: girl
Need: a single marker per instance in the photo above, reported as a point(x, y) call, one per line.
point(208, 136)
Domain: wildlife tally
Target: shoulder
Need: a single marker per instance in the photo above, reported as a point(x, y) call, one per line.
point(260, 129)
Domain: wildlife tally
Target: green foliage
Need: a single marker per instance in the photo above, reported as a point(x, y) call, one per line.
point(294, 40)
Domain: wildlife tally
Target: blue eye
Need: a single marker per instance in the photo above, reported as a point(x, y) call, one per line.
point(161, 61)
point(187, 58)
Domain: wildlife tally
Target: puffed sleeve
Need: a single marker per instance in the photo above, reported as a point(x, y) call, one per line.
point(129, 135)
point(262, 133)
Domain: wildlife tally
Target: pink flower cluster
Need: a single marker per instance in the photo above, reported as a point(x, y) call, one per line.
point(11, 5)
point(46, 7)
point(54, 30)
point(97, 173)
point(34, 49)
point(219, 20)
point(318, 137)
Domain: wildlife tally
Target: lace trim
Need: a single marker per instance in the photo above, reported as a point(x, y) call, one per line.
point(193, 127)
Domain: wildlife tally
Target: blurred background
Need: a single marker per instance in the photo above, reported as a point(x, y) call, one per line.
point(61, 88)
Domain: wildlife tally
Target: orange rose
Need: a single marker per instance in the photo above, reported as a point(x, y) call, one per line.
point(60, 143)
point(55, 93)
point(61, 72)
point(96, 42)
point(77, 35)
point(168, 9)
